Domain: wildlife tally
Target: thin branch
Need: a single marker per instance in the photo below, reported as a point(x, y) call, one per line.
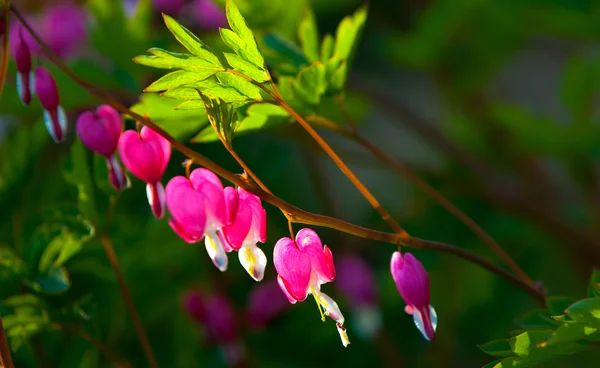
point(296, 214)
point(5, 358)
point(429, 190)
point(126, 295)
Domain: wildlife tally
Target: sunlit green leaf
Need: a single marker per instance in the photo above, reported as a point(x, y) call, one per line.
point(327, 47)
point(190, 105)
point(241, 40)
point(23, 301)
point(190, 41)
point(309, 36)
point(241, 65)
point(179, 78)
point(586, 311)
point(20, 327)
point(310, 83)
point(499, 347)
point(348, 34)
point(570, 332)
point(164, 59)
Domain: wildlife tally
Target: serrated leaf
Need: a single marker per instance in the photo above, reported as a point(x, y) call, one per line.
point(245, 67)
point(234, 88)
point(11, 266)
point(178, 78)
point(290, 96)
point(190, 41)
point(259, 117)
point(336, 74)
point(310, 83)
point(348, 34)
point(191, 105)
point(164, 59)
point(245, 44)
point(594, 285)
point(499, 347)
point(308, 34)
point(55, 281)
point(524, 343)
point(558, 304)
point(182, 124)
point(327, 47)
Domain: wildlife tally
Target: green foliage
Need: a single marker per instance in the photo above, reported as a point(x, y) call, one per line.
point(549, 333)
point(11, 266)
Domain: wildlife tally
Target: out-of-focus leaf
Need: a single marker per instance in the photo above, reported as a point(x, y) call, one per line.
point(61, 248)
point(54, 281)
point(20, 327)
point(23, 301)
point(247, 68)
point(570, 332)
point(308, 34)
point(11, 266)
point(241, 40)
point(310, 83)
point(78, 172)
point(586, 311)
point(259, 117)
point(181, 123)
point(579, 86)
point(190, 41)
point(558, 304)
point(594, 285)
point(499, 347)
point(288, 53)
point(348, 34)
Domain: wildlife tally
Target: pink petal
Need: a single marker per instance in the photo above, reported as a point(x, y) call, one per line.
point(63, 27)
point(411, 279)
point(208, 184)
point(293, 267)
point(258, 229)
point(100, 131)
point(237, 232)
point(45, 88)
point(231, 204)
point(146, 154)
point(322, 261)
point(156, 198)
point(22, 52)
point(116, 175)
point(56, 124)
point(187, 209)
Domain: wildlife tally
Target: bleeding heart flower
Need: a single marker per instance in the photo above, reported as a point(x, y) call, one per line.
point(265, 303)
point(198, 210)
point(54, 115)
point(100, 132)
point(412, 282)
point(303, 266)
point(63, 27)
point(247, 228)
point(25, 77)
point(146, 156)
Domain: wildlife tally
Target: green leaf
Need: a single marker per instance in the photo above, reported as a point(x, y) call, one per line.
point(308, 34)
point(558, 304)
point(23, 301)
point(20, 327)
point(586, 311)
point(245, 43)
point(181, 94)
point(11, 266)
point(55, 281)
point(164, 59)
point(191, 105)
point(499, 347)
point(289, 55)
point(336, 74)
point(525, 343)
point(178, 78)
point(78, 173)
point(310, 83)
point(182, 124)
point(570, 332)
point(594, 285)
point(327, 47)
point(190, 41)
point(537, 318)
point(60, 249)
point(241, 65)
point(229, 87)
point(259, 117)
point(348, 34)
point(493, 364)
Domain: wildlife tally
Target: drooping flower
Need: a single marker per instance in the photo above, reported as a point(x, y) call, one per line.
point(209, 15)
point(247, 228)
point(25, 77)
point(265, 303)
point(217, 318)
point(54, 115)
point(63, 27)
point(170, 7)
point(412, 282)
point(16, 36)
point(146, 156)
point(198, 210)
point(100, 132)
point(303, 266)
point(356, 282)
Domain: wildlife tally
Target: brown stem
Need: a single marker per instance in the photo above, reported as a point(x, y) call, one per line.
point(5, 358)
point(429, 190)
point(137, 322)
point(296, 214)
point(246, 168)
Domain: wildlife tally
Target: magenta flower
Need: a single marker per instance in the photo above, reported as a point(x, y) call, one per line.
point(356, 282)
point(247, 228)
point(170, 7)
point(265, 303)
point(217, 317)
point(63, 27)
point(209, 15)
point(100, 132)
point(25, 77)
point(54, 115)
point(413, 284)
point(146, 155)
point(303, 266)
point(16, 36)
point(198, 210)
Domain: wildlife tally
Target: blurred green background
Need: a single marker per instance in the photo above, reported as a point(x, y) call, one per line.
point(494, 103)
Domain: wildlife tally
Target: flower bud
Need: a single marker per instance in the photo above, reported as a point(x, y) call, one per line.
point(54, 115)
point(25, 77)
point(63, 27)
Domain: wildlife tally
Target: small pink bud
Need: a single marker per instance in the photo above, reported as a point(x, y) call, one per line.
point(209, 15)
point(54, 115)
point(63, 27)
point(146, 156)
point(412, 282)
point(265, 303)
point(25, 77)
point(15, 36)
point(100, 131)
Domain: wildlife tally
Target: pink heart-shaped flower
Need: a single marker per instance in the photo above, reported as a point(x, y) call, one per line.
point(146, 154)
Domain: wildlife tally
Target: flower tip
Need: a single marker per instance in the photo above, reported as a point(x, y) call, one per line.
point(343, 334)
point(156, 199)
point(56, 124)
point(216, 251)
